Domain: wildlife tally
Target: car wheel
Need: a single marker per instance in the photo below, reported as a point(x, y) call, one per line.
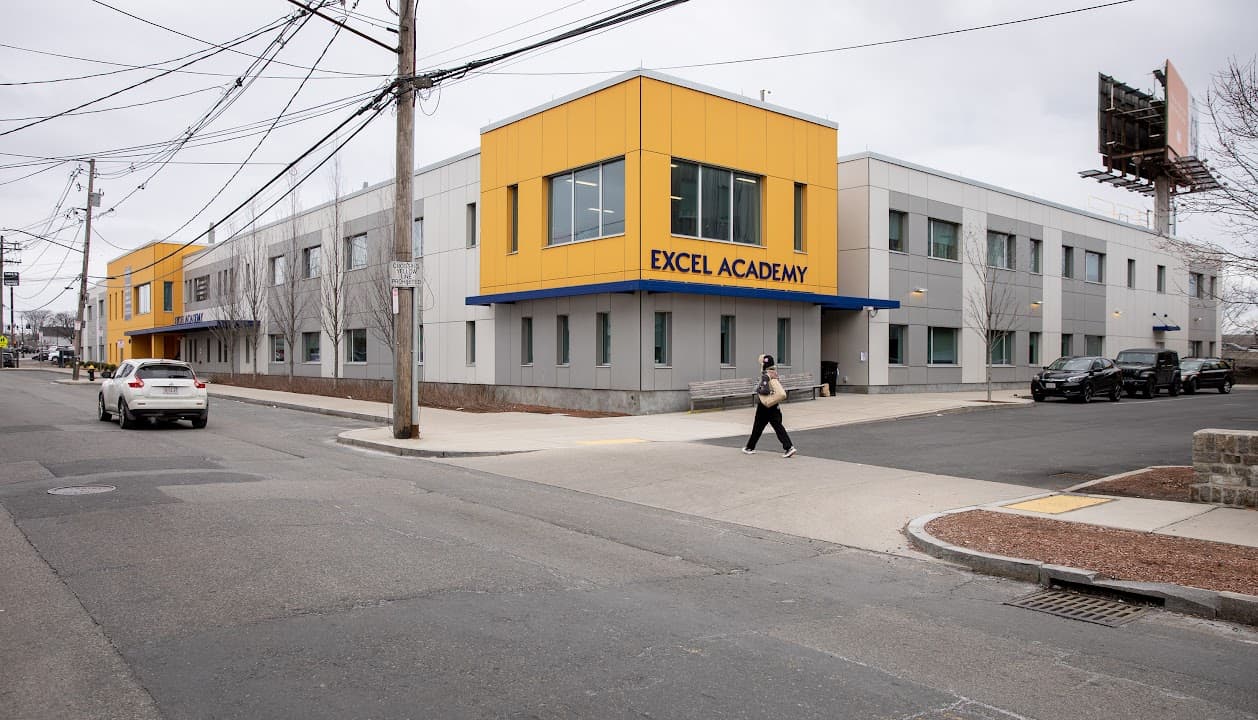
point(200, 422)
point(1150, 389)
point(125, 421)
point(1174, 389)
point(101, 413)
point(1086, 395)
point(1116, 393)
point(1226, 387)
point(1190, 387)
point(1037, 396)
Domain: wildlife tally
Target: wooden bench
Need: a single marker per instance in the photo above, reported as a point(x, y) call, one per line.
point(744, 388)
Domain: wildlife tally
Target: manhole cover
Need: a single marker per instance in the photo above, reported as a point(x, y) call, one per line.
point(1076, 476)
point(82, 490)
point(1080, 607)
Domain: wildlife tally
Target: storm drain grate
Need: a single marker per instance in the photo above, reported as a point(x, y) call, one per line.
point(82, 490)
point(1087, 608)
point(1076, 476)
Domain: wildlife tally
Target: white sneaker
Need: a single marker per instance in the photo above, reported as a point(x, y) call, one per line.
point(748, 451)
point(789, 453)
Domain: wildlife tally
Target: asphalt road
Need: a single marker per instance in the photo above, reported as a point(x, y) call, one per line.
point(1049, 445)
point(255, 569)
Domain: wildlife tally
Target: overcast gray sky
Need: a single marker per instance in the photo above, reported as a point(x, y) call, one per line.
point(1013, 106)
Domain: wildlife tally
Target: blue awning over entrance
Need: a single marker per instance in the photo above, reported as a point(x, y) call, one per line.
point(189, 327)
point(836, 302)
point(1165, 328)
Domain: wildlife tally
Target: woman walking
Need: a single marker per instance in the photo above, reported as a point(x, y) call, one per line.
point(769, 395)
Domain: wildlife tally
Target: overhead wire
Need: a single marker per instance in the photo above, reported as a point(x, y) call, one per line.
point(154, 101)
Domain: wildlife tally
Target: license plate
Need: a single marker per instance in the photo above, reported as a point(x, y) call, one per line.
point(1050, 385)
point(171, 390)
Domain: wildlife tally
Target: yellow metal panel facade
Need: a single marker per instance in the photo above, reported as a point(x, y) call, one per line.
point(650, 122)
point(163, 269)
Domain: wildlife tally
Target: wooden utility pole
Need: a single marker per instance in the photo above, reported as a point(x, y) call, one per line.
point(404, 423)
point(87, 242)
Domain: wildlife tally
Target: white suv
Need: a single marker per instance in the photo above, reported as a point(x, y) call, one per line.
point(153, 388)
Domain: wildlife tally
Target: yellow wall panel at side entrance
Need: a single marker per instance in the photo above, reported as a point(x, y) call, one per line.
point(554, 142)
point(581, 130)
point(530, 156)
point(780, 146)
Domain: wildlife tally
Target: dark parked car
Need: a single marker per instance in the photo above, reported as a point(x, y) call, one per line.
point(1079, 378)
point(9, 359)
point(1201, 373)
point(1148, 370)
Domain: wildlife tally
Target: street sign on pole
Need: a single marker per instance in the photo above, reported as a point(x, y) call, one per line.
point(10, 279)
point(402, 274)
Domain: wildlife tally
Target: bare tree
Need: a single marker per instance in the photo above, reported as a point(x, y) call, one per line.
point(229, 301)
point(377, 297)
point(37, 320)
point(991, 306)
point(249, 259)
point(332, 286)
point(63, 323)
point(287, 304)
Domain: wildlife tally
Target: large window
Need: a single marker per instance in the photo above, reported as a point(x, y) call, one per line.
point(1161, 278)
point(563, 346)
point(588, 203)
point(310, 347)
point(356, 252)
point(603, 339)
point(277, 348)
point(663, 339)
point(356, 345)
point(469, 339)
point(728, 328)
point(1037, 256)
point(1067, 261)
point(943, 239)
point(310, 262)
point(1000, 250)
point(1000, 343)
point(941, 346)
point(168, 296)
point(715, 204)
point(897, 344)
point(1033, 348)
point(1131, 273)
point(895, 231)
point(278, 271)
point(1094, 344)
point(784, 342)
point(800, 217)
point(526, 341)
point(1093, 267)
point(144, 299)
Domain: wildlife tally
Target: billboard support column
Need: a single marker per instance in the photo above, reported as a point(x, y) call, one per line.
point(1162, 205)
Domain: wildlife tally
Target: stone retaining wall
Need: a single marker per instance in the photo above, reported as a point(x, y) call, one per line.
point(1226, 466)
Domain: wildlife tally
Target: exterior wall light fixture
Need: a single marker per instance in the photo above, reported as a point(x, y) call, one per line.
point(1118, 313)
point(919, 291)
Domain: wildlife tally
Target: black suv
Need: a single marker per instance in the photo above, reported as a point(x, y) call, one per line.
point(1148, 370)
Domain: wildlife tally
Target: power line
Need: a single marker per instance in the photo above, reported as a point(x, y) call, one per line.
point(121, 107)
point(845, 48)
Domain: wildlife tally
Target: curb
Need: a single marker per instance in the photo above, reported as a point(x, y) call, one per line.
point(420, 452)
point(1213, 604)
point(367, 417)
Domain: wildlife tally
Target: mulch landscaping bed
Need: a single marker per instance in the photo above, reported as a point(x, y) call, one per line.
point(1163, 483)
point(1117, 554)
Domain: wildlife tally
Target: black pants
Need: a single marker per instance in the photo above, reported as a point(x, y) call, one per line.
point(768, 416)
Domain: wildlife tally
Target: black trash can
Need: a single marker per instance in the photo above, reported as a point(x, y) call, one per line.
point(830, 374)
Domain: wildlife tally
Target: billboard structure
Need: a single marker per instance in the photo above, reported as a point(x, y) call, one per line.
point(1149, 143)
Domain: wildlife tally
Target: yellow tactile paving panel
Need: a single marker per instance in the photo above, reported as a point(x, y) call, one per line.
point(1057, 504)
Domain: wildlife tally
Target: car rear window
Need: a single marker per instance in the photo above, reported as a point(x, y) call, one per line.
point(1146, 358)
point(165, 372)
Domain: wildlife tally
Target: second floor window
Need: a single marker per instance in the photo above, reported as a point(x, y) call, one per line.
point(715, 204)
point(943, 239)
point(1000, 252)
point(587, 203)
point(201, 288)
point(278, 273)
point(1067, 261)
point(1037, 256)
point(168, 296)
point(1093, 267)
point(356, 252)
point(143, 299)
point(310, 262)
point(895, 231)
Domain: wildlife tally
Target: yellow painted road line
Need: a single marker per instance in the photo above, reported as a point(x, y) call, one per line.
point(1056, 504)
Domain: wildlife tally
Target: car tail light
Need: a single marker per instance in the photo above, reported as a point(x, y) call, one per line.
point(199, 385)
point(136, 383)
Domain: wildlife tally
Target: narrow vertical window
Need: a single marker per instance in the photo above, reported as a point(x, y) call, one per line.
point(562, 345)
point(1067, 345)
point(1131, 273)
point(1161, 278)
point(310, 347)
point(419, 343)
point(526, 341)
point(897, 335)
point(1033, 348)
point(663, 339)
point(603, 333)
point(469, 329)
point(784, 342)
point(417, 236)
point(168, 296)
point(895, 231)
point(1093, 267)
point(471, 225)
point(1037, 256)
point(943, 239)
point(513, 199)
point(799, 217)
point(728, 327)
point(1067, 261)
